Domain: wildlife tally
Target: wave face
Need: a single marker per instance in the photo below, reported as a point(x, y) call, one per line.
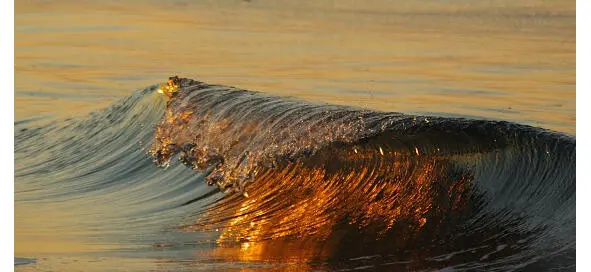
point(328, 186)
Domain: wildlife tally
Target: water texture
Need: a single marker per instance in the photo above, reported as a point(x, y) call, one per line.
point(382, 135)
point(295, 183)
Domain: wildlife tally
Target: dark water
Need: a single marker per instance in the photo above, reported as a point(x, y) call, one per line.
point(292, 186)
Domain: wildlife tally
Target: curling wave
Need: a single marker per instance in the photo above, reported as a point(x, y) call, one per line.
point(369, 182)
point(331, 186)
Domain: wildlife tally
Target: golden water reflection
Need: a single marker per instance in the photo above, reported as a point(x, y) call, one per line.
point(357, 197)
point(511, 60)
point(514, 61)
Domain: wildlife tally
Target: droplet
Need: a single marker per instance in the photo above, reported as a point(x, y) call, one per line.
point(422, 222)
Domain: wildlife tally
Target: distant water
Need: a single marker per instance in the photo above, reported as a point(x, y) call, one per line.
point(387, 136)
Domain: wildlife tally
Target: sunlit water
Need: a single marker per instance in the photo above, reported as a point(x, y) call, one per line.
point(89, 198)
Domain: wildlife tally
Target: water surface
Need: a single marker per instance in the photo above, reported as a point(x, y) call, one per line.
point(88, 195)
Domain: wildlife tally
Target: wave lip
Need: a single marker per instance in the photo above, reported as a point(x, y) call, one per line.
point(235, 130)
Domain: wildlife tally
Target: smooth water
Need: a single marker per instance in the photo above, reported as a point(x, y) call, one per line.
point(385, 176)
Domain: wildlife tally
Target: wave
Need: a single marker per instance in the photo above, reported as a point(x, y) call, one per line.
point(334, 186)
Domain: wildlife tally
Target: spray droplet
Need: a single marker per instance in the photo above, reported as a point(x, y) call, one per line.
point(422, 222)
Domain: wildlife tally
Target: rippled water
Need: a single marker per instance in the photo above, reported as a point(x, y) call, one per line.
point(391, 179)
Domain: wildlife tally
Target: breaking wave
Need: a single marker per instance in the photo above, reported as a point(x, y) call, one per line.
point(331, 186)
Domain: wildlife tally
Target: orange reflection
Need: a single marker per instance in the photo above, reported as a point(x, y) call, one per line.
point(305, 210)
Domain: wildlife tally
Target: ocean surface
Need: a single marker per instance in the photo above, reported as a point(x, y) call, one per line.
point(299, 136)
